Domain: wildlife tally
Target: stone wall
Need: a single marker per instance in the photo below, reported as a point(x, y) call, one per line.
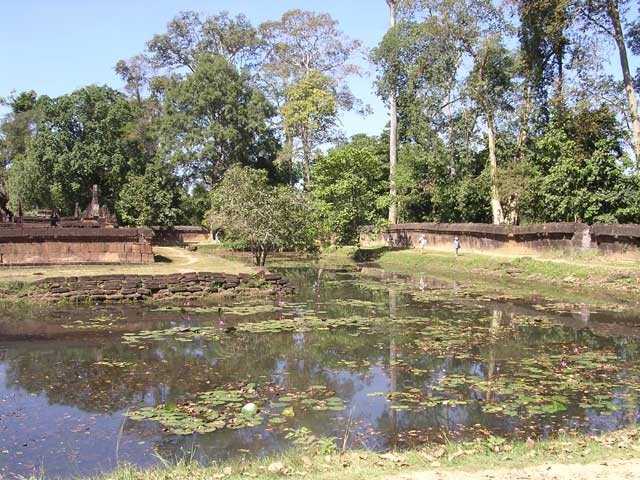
point(538, 237)
point(180, 235)
point(100, 288)
point(47, 245)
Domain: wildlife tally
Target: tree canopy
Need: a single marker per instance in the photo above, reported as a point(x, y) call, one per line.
point(516, 112)
point(265, 218)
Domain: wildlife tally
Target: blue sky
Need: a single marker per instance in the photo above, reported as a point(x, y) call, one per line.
point(57, 46)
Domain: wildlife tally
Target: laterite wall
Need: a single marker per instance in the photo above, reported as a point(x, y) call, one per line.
point(180, 235)
point(28, 245)
point(539, 237)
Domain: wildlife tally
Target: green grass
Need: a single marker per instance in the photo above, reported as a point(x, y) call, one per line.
point(209, 247)
point(553, 276)
point(486, 454)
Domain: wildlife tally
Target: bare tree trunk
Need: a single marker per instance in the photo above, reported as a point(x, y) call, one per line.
point(288, 155)
point(614, 15)
point(496, 207)
point(306, 153)
point(393, 133)
point(525, 113)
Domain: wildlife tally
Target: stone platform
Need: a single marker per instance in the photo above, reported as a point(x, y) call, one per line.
point(113, 288)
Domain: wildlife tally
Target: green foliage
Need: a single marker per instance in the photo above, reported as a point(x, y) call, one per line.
point(583, 188)
point(149, 199)
point(544, 42)
point(213, 119)
point(194, 205)
point(431, 190)
point(190, 36)
point(15, 129)
point(488, 127)
point(81, 139)
point(311, 109)
point(348, 190)
point(263, 217)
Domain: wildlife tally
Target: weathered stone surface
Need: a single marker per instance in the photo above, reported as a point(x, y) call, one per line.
point(104, 278)
point(177, 289)
point(59, 290)
point(135, 287)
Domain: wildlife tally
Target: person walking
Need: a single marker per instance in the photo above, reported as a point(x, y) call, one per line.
point(456, 246)
point(421, 243)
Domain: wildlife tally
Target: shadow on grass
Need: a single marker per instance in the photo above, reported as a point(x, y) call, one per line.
point(369, 254)
point(161, 259)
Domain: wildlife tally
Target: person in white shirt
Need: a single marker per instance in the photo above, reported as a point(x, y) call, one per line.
point(422, 242)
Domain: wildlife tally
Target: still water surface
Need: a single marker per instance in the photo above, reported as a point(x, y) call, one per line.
point(373, 361)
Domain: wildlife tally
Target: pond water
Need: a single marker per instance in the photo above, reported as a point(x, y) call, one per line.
point(371, 360)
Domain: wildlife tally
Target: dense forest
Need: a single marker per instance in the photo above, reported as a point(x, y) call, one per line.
point(521, 112)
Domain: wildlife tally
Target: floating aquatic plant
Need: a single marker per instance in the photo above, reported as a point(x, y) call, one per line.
point(218, 409)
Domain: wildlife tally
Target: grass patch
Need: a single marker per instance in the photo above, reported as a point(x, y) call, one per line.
point(602, 276)
point(210, 247)
point(15, 288)
point(315, 459)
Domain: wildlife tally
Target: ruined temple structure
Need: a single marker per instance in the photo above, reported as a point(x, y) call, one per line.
point(88, 237)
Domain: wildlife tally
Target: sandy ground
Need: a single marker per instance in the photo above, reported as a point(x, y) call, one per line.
point(176, 260)
point(613, 470)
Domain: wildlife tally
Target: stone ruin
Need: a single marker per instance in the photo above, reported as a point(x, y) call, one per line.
point(94, 215)
point(88, 237)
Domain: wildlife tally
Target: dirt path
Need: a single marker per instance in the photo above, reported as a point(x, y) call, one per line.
point(613, 470)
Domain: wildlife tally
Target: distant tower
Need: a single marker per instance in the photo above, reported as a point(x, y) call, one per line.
point(94, 207)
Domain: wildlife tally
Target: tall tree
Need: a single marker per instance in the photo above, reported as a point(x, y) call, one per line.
point(189, 36)
point(80, 139)
point(213, 119)
point(393, 131)
point(16, 130)
point(604, 16)
point(137, 74)
point(490, 85)
point(310, 113)
point(544, 44)
point(423, 57)
point(305, 44)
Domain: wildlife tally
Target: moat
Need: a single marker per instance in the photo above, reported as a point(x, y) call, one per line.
point(369, 359)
